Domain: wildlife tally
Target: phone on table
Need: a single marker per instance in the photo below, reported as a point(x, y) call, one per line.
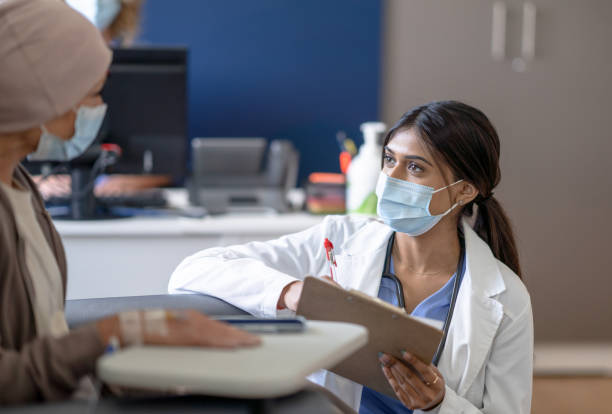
point(265, 325)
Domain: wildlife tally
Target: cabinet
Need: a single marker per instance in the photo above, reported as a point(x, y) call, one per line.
point(553, 119)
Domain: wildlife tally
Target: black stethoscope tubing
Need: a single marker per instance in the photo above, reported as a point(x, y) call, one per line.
point(399, 291)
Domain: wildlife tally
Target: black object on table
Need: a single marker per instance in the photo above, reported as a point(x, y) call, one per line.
point(80, 311)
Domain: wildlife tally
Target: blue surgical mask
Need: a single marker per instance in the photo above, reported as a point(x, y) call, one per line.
point(86, 126)
point(404, 206)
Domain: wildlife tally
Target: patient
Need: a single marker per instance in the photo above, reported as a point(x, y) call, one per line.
point(53, 64)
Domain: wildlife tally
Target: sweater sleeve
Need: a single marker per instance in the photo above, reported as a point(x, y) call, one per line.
point(48, 368)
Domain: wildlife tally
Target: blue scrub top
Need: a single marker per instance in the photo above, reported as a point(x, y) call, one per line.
point(435, 306)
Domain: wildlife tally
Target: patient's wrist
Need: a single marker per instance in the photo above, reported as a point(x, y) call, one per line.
point(108, 328)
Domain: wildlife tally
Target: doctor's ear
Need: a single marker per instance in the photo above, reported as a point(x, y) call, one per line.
point(467, 193)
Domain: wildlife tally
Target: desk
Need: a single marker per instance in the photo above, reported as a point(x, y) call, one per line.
point(136, 256)
point(303, 402)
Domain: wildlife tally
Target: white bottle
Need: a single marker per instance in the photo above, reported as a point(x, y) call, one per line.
point(364, 169)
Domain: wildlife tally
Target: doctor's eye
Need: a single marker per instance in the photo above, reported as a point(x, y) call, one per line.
point(388, 160)
point(414, 168)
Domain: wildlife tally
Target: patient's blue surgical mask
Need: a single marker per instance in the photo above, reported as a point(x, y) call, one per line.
point(404, 206)
point(86, 126)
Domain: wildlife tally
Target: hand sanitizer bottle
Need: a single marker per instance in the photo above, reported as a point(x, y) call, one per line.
point(364, 169)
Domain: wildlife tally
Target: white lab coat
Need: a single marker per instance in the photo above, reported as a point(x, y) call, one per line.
point(487, 362)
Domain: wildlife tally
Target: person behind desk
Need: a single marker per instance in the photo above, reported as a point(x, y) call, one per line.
point(53, 63)
point(448, 242)
point(119, 24)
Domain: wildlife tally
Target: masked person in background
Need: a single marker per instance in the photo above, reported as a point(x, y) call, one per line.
point(119, 23)
point(118, 20)
point(53, 63)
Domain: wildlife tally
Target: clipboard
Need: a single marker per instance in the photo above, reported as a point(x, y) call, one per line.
point(391, 330)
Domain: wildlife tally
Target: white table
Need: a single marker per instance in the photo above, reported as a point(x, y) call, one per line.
point(136, 256)
point(278, 367)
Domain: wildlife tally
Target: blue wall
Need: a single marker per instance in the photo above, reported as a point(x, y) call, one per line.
point(300, 70)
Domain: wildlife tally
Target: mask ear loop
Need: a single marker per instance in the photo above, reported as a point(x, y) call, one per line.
point(450, 185)
point(451, 208)
point(443, 188)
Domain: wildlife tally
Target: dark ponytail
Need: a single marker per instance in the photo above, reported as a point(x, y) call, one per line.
point(493, 226)
point(463, 138)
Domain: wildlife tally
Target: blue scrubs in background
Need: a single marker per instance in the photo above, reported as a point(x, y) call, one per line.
point(435, 306)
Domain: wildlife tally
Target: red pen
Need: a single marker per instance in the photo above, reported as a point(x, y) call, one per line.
point(331, 258)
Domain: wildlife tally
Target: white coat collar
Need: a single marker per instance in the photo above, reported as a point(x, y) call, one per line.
point(481, 265)
point(368, 240)
point(477, 317)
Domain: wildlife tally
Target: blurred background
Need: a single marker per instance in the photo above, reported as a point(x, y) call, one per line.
point(311, 72)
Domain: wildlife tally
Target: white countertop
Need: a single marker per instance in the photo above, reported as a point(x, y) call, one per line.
point(230, 224)
point(243, 222)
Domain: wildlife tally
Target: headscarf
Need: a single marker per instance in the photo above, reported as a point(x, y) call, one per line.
point(50, 57)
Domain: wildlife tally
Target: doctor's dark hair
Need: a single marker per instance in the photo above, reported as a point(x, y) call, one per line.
point(463, 138)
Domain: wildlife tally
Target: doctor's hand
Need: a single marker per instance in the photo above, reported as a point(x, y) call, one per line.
point(290, 296)
point(417, 385)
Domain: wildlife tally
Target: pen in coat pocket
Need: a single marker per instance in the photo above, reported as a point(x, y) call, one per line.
point(331, 259)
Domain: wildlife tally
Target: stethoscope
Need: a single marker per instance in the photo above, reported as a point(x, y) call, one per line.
point(399, 291)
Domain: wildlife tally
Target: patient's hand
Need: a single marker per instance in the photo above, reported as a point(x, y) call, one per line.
point(192, 328)
point(180, 328)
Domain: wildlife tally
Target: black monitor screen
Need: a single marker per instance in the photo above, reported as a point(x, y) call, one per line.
point(146, 93)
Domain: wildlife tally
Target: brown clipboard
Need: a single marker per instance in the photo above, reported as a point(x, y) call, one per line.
point(390, 328)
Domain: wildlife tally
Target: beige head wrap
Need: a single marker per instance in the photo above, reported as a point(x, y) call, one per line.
point(50, 57)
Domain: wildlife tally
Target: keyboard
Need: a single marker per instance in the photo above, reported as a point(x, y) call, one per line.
point(141, 199)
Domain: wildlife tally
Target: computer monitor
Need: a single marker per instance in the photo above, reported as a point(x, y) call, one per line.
point(146, 93)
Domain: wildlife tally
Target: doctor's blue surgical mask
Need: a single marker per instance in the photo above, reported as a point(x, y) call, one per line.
point(404, 206)
point(86, 126)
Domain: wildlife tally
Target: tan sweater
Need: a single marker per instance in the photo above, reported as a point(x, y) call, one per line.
point(41, 264)
point(33, 367)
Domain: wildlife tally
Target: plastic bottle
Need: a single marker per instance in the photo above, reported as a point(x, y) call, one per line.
point(364, 169)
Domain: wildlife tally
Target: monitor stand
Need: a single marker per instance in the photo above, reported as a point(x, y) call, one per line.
point(83, 204)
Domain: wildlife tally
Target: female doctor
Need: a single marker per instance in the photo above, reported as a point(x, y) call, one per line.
point(443, 248)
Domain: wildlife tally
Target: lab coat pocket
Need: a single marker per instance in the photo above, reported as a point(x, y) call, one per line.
point(345, 271)
point(359, 273)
